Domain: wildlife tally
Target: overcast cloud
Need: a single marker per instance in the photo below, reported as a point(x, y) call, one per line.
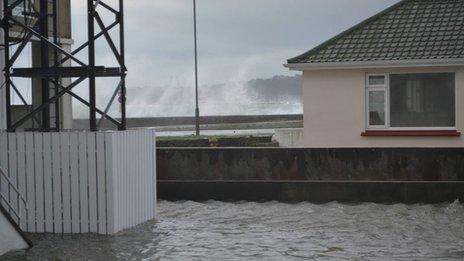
point(238, 39)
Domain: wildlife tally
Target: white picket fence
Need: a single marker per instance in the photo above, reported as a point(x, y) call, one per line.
point(80, 182)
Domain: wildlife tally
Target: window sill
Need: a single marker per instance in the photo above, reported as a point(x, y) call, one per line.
point(421, 133)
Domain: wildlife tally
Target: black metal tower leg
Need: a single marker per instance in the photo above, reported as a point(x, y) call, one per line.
point(45, 63)
point(92, 94)
point(123, 58)
point(6, 14)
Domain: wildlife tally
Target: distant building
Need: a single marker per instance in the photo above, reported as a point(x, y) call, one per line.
point(394, 80)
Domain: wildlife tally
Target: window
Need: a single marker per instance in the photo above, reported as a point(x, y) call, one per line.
point(377, 80)
point(377, 104)
point(377, 101)
point(21, 7)
point(411, 101)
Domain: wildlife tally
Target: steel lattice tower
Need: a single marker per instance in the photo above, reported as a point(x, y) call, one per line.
point(43, 27)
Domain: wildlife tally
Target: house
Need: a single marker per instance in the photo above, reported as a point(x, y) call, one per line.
point(394, 80)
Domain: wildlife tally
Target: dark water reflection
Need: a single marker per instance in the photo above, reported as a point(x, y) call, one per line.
point(272, 231)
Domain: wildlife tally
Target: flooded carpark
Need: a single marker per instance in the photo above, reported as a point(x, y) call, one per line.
point(214, 230)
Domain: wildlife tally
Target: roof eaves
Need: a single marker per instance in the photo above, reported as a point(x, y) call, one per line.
point(346, 32)
point(376, 64)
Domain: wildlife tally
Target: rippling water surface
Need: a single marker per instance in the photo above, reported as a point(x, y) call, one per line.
point(272, 231)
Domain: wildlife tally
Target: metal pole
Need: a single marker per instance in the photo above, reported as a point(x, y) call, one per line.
point(197, 109)
point(2, 79)
point(91, 35)
point(6, 15)
point(45, 63)
point(122, 55)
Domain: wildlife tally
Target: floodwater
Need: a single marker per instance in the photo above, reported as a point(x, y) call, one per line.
point(272, 231)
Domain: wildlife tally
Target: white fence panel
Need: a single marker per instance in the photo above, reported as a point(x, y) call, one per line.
point(13, 168)
point(4, 164)
point(57, 180)
point(92, 182)
point(66, 182)
point(101, 182)
point(134, 178)
point(110, 208)
point(79, 182)
point(74, 171)
point(83, 183)
point(48, 181)
point(39, 182)
point(22, 178)
point(31, 183)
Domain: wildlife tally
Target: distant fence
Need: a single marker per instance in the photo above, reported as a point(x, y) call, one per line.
point(79, 182)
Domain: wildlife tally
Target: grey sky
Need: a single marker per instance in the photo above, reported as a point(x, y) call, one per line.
point(238, 40)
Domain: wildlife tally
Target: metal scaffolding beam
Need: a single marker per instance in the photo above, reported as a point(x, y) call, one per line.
point(44, 27)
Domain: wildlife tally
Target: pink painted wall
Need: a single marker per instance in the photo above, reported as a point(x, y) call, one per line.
point(335, 110)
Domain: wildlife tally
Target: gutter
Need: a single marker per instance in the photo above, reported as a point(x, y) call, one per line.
point(375, 64)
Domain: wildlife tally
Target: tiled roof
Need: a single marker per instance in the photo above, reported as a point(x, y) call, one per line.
point(409, 30)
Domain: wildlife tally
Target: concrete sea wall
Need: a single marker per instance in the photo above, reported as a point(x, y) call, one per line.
point(382, 164)
point(319, 175)
point(313, 191)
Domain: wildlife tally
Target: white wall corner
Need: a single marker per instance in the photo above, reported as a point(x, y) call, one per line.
point(10, 239)
point(154, 176)
point(66, 100)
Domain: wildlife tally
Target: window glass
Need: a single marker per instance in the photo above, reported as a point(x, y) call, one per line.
point(19, 9)
point(376, 80)
point(22, 4)
point(422, 100)
point(377, 108)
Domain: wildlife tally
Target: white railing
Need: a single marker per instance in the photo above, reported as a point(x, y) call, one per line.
point(10, 185)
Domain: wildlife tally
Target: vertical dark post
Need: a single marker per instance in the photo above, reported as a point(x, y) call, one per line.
point(92, 94)
point(6, 15)
point(45, 63)
point(123, 59)
point(55, 64)
point(197, 109)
